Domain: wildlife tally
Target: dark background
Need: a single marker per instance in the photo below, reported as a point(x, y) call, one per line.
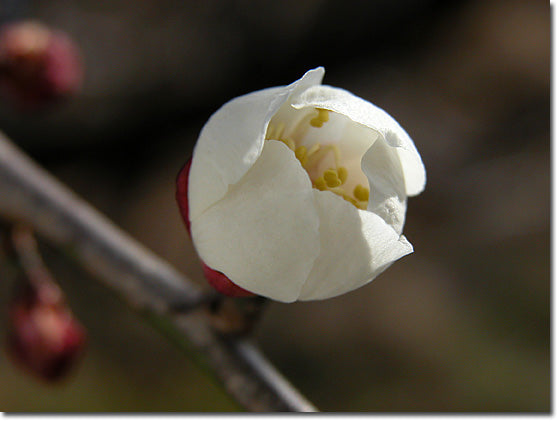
point(461, 325)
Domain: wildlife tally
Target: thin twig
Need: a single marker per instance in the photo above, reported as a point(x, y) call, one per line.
point(152, 286)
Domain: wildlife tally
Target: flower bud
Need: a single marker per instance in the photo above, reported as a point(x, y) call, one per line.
point(38, 65)
point(215, 278)
point(299, 192)
point(44, 337)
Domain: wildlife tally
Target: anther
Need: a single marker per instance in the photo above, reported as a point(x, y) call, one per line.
point(331, 177)
point(321, 118)
point(320, 184)
point(342, 174)
point(361, 193)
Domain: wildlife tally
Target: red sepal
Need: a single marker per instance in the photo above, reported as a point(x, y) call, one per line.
point(223, 284)
point(181, 194)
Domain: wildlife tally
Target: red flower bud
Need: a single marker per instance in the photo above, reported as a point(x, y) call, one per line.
point(44, 337)
point(215, 278)
point(38, 65)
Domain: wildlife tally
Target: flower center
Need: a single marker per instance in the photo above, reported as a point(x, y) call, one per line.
point(321, 160)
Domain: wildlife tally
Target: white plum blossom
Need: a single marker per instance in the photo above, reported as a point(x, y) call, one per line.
point(299, 192)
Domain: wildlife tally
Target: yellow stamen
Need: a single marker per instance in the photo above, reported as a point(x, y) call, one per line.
point(320, 184)
point(269, 131)
point(318, 154)
point(275, 132)
point(319, 151)
point(361, 193)
point(289, 142)
point(301, 155)
point(310, 159)
point(342, 174)
point(352, 201)
point(336, 152)
point(331, 177)
point(321, 118)
point(313, 149)
point(340, 192)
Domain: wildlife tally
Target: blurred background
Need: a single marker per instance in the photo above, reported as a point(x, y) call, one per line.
point(461, 325)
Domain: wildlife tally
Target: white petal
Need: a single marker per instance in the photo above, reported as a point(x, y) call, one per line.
point(383, 170)
point(232, 140)
point(264, 233)
point(365, 113)
point(356, 246)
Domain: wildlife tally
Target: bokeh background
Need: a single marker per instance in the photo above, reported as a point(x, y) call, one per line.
point(461, 325)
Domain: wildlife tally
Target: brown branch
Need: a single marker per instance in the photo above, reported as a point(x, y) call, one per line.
point(29, 194)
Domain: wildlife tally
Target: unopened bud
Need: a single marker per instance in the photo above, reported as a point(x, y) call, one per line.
point(37, 64)
point(44, 337)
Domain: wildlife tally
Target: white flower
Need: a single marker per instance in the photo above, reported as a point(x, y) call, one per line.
point(299, 192)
